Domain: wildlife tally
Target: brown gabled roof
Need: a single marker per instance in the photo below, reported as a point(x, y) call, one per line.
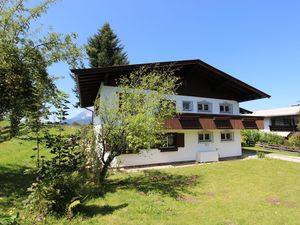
point(201, 79)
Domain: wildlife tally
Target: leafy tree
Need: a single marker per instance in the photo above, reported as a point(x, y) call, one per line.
point(136, 120)
point(38, 111)
point(104, 49)
point(59, 183)
point(25, 55)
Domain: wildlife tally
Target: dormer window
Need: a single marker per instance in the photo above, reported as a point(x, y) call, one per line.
point(226, 108)
point(204, 106)
point(187, 106)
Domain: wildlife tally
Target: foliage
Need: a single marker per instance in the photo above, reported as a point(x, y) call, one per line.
point(260, 154)
point(294, 140)
point(104, 49)
point(10, 220)
point(25, 55)
point(57, 182)
point(250, 137)
point(134, 117)
point(271, 138)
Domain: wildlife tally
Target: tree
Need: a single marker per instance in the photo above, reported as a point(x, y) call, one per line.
point(104, 49)
point(136, 120)
point(25, 55)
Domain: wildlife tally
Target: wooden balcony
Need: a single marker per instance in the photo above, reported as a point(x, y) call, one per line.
point(283, 128)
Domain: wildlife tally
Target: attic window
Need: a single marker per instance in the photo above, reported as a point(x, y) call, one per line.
point(187, 106)
point(204, 106)
point(226, 108)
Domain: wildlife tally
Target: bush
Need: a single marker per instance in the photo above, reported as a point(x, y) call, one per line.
point(294, 140)
point(10, 220)
point(271, 138)
point(260, 154)
point(59, 181)
point(250, 137)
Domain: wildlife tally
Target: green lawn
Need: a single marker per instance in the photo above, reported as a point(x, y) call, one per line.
point(255, 191)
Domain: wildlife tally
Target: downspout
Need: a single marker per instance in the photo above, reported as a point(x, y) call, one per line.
point(92, 114)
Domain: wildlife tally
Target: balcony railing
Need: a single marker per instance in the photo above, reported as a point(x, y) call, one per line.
point(283, 128)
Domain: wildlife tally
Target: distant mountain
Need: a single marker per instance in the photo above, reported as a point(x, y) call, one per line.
point(85, 117)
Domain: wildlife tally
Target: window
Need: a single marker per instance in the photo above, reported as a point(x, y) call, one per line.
point(226, 136)
point(205, 137)
point(172, 142)
point(187, 106)
point(225, 108)
point(204, 107)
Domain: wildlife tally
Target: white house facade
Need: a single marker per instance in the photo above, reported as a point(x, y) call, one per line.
point(282, 121)
point(209, 122)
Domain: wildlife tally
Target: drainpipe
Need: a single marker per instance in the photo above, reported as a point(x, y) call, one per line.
point(92, 114)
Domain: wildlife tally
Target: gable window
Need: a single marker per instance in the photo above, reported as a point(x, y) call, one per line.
point(204, 107)
point(226, 108)
point(205, 137)
point(226, 136)
point(187, 106)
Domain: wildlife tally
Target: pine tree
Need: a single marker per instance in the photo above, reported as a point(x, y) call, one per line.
point(104, 49)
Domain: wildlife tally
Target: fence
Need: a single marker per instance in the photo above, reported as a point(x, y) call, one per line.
point(278, 147)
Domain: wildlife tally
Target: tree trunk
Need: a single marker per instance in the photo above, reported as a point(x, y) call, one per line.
point(104, 171)
point(14, 124)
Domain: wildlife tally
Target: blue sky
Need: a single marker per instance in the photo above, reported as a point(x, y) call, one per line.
point(255, 41)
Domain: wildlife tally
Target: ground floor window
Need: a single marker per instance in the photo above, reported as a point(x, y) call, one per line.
point(226, 136)
point(172, 141)
point(205, 137)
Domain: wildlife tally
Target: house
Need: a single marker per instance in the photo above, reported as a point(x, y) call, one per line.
point(208, 126)
point(282, 121)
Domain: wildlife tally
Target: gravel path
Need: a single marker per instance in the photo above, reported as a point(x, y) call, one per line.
point(284, 157)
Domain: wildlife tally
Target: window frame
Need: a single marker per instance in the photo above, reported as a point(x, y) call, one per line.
point(168, 148)
point(203, 103)
point(204, 140)
point(224, 105)
point(191, 106)
point(226, 138)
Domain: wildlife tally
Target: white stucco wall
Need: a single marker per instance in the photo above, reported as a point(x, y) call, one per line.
point(192, 146)
point(108, 93)
point(267, 124)
point(188, 152)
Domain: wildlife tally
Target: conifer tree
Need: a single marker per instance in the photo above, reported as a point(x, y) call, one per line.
point(104, 49)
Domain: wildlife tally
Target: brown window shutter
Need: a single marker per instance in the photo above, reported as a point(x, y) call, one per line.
point(180, 140)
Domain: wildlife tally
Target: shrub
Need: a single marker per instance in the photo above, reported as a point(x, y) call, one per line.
point(271, 138)
point(250, 137)
point(260, 154)
point(10, 220)
point(59, 180)
point(294, 140)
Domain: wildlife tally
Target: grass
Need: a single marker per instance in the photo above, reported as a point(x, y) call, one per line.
point(264, 191)
point(256, 149)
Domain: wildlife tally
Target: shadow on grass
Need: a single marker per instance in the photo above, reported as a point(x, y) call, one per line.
point(13, 185)
point(94, 210)
point(155, 181)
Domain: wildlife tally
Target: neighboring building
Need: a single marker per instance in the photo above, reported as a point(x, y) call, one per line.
point(281, 120)
point(209, 124)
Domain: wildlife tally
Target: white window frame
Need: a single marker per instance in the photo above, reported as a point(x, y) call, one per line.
point(190, 108)
point(226, 136)
point(224, 105)
point(204, 140)
point(167, 140)
point(203, 103)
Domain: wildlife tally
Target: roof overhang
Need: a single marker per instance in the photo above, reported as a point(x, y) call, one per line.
point(196, 72)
